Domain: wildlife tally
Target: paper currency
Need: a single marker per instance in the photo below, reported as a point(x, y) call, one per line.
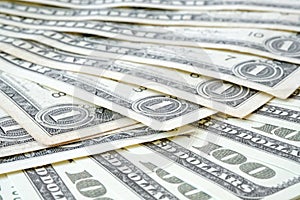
point(72, 71)
point(173, 178)
point(212, 93)
point(278, 114)
point(245, 178)
point(252, 138)
point(159, 111)
point(75, 182)
point(36, 185)
point(144, 169)
point(194, 143)
point(291, 6)
point(270, 76)
point(116, 139)
point(268, 20)
point(287, 135)
point(53, 117)
point(279, 45)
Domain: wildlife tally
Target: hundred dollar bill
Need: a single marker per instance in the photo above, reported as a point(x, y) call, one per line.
point(279, 45)
point(278, 114)
point(288, 135)
point(123, 165)
point(273, 77)
point(290, 6)
point(247, 176)
point(255, 174)
point(117, 139)
point(52, 117)
point(212, 93)
point(267, 20)
point(252, 138)
point(73, 181)
point(59, 181)
point(159, 111)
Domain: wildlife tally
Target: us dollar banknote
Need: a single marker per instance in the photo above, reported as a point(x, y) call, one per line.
point(73, 181)
point(224, 166)
point(116, 139)
point(269, 20)
point(252, 138)
point(155, 109)
point(53, 117)
point(285, 115)
point(212, 93)
point(291, 6)
point(245, 175)
point(123, 166)
point(279, 45)
point(271, 76)
point(287, 135)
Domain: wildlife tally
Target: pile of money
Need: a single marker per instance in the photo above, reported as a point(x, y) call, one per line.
point(150, 99)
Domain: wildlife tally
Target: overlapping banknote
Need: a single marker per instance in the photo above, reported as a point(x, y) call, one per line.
point(150, 99)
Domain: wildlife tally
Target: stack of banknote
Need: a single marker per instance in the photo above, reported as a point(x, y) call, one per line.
point(150, 99)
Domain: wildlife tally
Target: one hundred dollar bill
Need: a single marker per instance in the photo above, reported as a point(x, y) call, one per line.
point(240, 170)
point(155, 168)
point(271, 76)
point(159, 111)
point(278, 114)
point(53, 117)
point(287, 135)
point(65, 176)
point(269, 20)
point(212, 93)
point(222, 171)
point(252, 138)
point(290, 6)
point(279, 45)
point(245, 175)
point(74, 181)
point(116, 139)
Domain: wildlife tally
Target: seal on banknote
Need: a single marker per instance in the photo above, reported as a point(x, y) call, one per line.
point(159, 106)
point(65, 116)
point(258, 70)
point(285, 46)
point(221, 91)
